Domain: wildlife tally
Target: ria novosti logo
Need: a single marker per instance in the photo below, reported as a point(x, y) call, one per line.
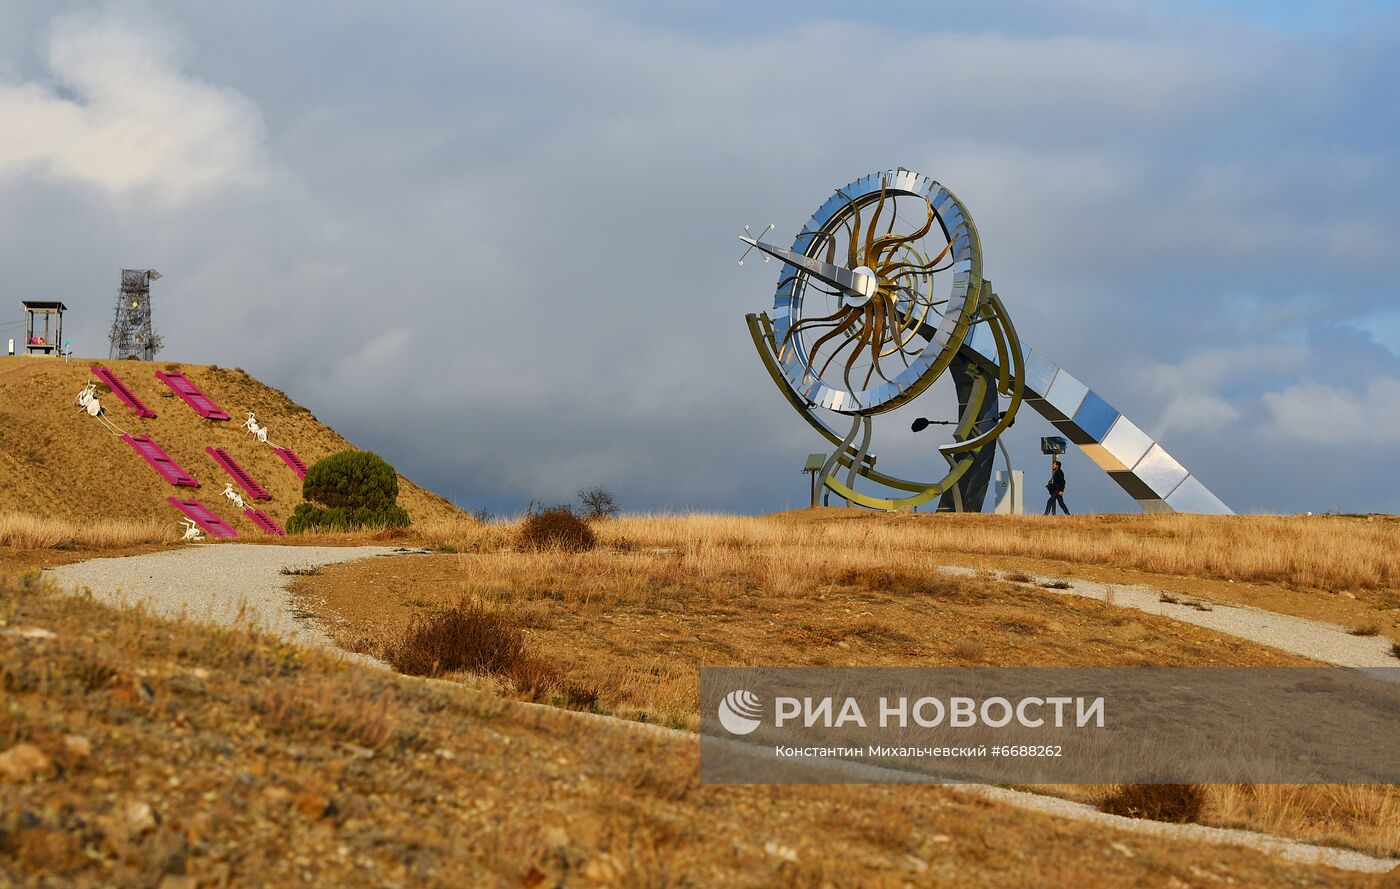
point(740, 712)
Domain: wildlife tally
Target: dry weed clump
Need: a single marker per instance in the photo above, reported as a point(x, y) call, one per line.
point(1178, 803)
point(969, 650)
point(469, 637)
point(557, 528)
point(472, 638)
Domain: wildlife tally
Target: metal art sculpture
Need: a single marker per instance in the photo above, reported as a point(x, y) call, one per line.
point(132, 335)
point(258, 432)
point(234, 496)
point(880, 294)
point(87, 400)
point(192, 530)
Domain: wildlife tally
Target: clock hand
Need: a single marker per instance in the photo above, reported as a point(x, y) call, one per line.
point(857, 285)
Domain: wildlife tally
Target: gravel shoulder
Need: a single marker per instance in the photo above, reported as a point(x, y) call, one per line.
point(222, 584)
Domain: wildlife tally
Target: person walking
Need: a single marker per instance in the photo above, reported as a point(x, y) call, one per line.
point(1056, 487)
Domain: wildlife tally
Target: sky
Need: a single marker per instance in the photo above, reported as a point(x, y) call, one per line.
point(497, 242)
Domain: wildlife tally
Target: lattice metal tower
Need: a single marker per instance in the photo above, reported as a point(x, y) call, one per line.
point(132, 336)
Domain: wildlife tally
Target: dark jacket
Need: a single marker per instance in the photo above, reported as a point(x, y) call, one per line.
point(1056, 485)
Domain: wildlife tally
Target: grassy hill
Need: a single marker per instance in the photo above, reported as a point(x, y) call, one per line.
point(142, 752)
point(57, 462)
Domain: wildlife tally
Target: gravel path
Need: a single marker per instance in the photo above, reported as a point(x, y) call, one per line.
point(219, 584)
point(1323, 642)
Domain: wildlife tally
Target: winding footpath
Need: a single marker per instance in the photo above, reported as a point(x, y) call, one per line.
point(232, 584)
point(226, 584)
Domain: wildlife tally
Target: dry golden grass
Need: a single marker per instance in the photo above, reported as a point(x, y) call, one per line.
point(180, 755)
point(1365, 817)
point(1317, 552)
point(665, 595)
point(1304, 552)
point(20, 531)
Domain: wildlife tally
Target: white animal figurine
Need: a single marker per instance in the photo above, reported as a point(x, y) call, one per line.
point(192, 530)
point(87, 400)
point(233, 495)
point(258, 432)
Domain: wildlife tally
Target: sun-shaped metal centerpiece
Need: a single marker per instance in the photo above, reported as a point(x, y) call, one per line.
point(914, 240)
point(874, 302)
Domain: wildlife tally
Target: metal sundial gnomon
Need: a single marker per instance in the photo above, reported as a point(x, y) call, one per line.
point(876, 296)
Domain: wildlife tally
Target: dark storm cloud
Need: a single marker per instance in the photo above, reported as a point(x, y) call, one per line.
point(497, 243)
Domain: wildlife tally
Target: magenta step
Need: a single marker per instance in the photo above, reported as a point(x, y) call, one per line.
point(212, 524)
point(239, 474)
point(123, 393)
point(293, 461)
point(264, 521)
point(160, 460)
point(199, 402)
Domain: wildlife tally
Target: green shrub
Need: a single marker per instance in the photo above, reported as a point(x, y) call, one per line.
point(347, 491)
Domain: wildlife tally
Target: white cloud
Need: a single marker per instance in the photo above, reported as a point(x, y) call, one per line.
point(1164, 208)
point(1316, 414)
point(1192, 413)
point(119, 114)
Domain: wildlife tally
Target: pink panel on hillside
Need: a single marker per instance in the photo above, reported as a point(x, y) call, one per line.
point(199, 402)
point(240, 475)
point(160, 461)
point(293, 461)
point(212, 524)
point(264, 521)
point(119, 389)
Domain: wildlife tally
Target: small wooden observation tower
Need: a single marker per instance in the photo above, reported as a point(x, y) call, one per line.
point(43, 327)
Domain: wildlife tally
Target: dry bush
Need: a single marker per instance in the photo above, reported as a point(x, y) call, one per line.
point(557, 528)
point(582, 696)
point(469, 637)
point(1056, 584)
point(23, 531)
point(1019, 577)
point(534, 677)
point(969, 650)
point(1179, 803)
point(1371, 629)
